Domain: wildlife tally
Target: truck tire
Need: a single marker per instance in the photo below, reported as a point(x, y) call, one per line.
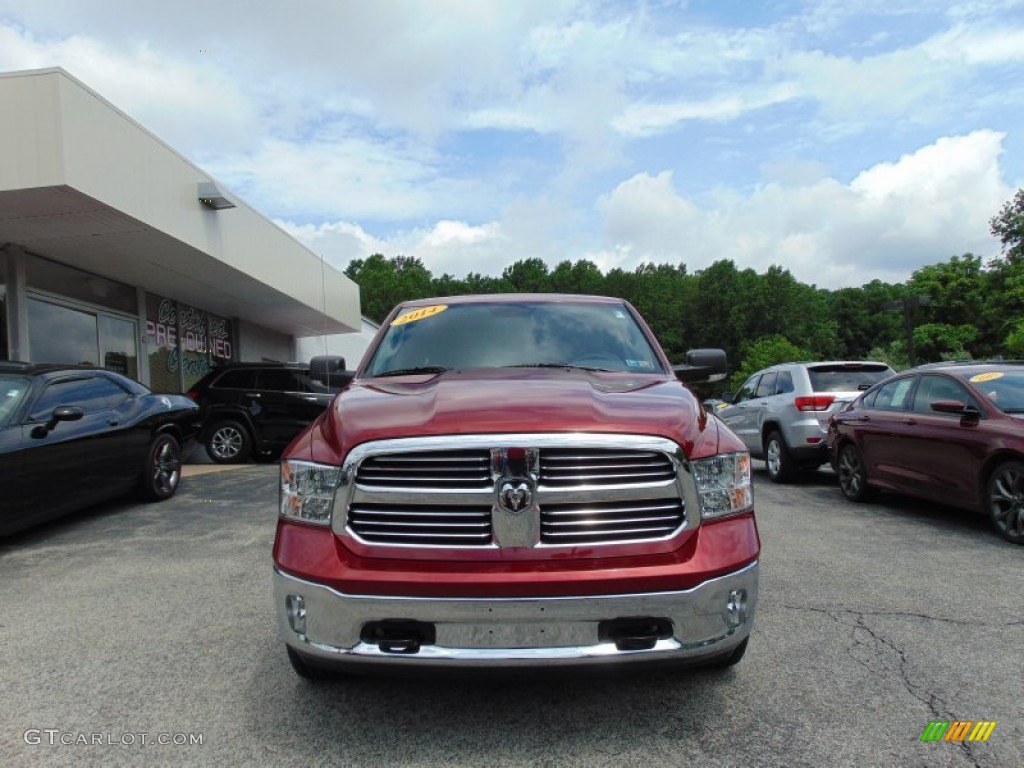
point(733, 658)
point(305, 670)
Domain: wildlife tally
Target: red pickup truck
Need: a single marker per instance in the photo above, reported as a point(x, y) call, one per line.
point(515, 480)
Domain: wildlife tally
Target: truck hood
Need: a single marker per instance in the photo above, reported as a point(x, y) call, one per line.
point(512, 400)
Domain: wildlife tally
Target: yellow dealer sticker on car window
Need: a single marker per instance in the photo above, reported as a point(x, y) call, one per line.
point(419, 314)
point(986, 376)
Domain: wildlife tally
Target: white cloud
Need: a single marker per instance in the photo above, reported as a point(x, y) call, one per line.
point(649, 119)
point(196, 109)
point(472, 134)
point(889, 220)
point(975, 46)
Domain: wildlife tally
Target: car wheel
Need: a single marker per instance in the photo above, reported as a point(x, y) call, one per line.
point(777, 459)
point(303, 669)
point(228, 443)
point(1005, 501)
point(853, 480)
point(163, 469)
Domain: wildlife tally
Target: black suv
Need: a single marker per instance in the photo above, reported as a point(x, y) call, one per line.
point(253, 410)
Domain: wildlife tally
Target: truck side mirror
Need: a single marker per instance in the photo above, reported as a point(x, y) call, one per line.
point(330, 371)
point(702, 365)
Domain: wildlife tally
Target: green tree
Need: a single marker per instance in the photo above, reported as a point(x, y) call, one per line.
point(1008, 227)
point(943, 341)
point(861, 320)
point(663, 296)
point(582, 277)
point(766, 351)
point(527, 276)
point(383, 283)
point(1014, 342)
point(894, 354)
point(1003, 313)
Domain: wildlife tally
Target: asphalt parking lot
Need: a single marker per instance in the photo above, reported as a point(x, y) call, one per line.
point(134, 622)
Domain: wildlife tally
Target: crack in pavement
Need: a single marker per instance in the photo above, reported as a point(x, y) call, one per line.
point(938, 708)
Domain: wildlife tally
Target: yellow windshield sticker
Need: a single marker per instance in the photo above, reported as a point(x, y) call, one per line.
point(986, 376)
point(419, 314)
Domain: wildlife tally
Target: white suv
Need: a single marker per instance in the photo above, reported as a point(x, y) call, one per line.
point(782, 412)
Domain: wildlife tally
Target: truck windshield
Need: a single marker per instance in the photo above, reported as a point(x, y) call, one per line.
point(598, 336)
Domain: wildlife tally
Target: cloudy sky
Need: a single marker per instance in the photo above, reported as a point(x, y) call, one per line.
point(843, 140)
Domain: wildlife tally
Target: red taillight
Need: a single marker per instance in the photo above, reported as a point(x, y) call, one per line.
point(814, 402)
point(192, 395)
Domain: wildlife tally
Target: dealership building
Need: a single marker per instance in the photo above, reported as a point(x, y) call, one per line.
point(117, 251)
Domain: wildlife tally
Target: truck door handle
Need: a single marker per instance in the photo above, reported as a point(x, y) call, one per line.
point(252, 394)
point(909, 422)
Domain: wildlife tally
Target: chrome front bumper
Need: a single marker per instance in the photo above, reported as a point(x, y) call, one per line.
point(706, 622)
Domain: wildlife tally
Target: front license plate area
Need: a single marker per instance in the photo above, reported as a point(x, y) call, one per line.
point(520, 635)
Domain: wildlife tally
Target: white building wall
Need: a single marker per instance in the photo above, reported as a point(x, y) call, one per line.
point(351, 346)
point(56, 132)
point(31, 133)
point(257, 344)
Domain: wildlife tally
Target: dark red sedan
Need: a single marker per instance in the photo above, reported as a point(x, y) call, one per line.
point(952, 433)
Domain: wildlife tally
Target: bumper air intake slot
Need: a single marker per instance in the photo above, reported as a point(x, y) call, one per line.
point(399, 635)
point(634, 634)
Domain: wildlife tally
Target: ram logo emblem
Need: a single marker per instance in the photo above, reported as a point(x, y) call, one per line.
point(515, 496)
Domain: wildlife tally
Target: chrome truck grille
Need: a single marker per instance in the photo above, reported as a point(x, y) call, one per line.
point(500, 491)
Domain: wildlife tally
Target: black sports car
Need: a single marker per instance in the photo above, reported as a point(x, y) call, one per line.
point(71, 436)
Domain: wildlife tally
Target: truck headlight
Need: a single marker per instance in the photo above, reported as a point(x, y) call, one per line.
point(307, 491)
point(723, 485)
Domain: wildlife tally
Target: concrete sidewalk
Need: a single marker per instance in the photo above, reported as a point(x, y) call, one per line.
point(197, 462)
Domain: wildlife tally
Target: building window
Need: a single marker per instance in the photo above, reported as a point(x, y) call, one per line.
point(62, 334)
point(184, 343)
point(62, 280)
point(118, 345)
point(4, 354)
point(58, 334)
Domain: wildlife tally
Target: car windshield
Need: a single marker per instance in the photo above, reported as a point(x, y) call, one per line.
point(846, 378)
point(592, 335)
point(1005, 389)
point(12, 392)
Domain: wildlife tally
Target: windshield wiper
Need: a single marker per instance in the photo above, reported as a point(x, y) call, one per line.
point(559, 365)
point(413, 371)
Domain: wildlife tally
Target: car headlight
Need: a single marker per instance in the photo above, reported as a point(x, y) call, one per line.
point(723, 485)
point(307, 491)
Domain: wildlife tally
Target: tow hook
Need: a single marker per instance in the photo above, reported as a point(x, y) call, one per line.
point(634, 634)
point(399, 636)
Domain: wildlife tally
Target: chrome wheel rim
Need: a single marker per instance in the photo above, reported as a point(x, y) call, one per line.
point(1006, 502)
point(226, 443)
point(773, 458)
point(850, 472)
point(166, 468)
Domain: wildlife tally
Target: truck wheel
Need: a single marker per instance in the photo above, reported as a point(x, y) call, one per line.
point(303, 669)
point(777, 459)
point(1004, 501)
point(853, 479)
point(228, 443)
point(163, 469)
